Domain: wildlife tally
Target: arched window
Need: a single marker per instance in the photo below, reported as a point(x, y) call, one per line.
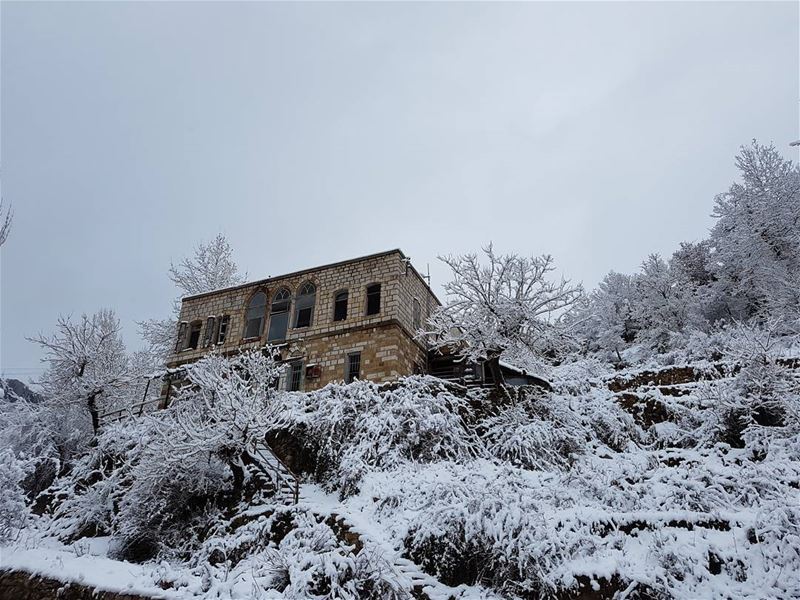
point(304, 306)
point(416, 315)
point(254, 318)
point(340, 306)
point(279, 315)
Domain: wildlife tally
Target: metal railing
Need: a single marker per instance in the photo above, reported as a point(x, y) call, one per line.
point(127, 411)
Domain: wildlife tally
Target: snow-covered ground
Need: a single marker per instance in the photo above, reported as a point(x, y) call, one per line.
point(626, 491)
point(84, 562)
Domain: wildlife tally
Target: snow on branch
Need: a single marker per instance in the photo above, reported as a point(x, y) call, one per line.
point(502, 304)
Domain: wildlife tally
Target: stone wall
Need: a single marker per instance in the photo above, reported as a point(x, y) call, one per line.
point(20, 585)
point(384, 340)
point(413, 287)
point(387, 352)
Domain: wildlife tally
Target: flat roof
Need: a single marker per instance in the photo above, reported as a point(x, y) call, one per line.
point(313, 269)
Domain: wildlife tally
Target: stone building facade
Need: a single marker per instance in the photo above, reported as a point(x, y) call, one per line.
point(352, 319)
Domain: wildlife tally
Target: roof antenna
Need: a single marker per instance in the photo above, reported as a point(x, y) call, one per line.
point(428, 276)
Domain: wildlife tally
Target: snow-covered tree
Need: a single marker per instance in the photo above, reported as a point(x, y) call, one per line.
point(663, 302)
point(692, 262)
point(87, 363)
point(647, 308)
point(211, 267)
point(506, 306)
point(756, 239)
point(607, 320)
point(227, 405)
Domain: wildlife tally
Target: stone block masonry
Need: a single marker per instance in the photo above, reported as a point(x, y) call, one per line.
point(386, 340)
point(20, 585)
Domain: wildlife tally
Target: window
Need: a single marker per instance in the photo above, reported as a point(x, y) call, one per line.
point(416, 315)
point(194, 335)
point(254, 318)
point(181, 336)
point(353, 367)
point(295, 376)
point(373, 299)
point(304, 307)
point(209, 333)
point(279, 316)
point(340, 306)
point(222, 330)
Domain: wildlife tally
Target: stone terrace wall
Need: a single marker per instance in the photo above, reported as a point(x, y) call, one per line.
point(19, 585)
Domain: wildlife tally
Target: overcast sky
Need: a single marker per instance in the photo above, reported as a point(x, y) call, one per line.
point(311, 133)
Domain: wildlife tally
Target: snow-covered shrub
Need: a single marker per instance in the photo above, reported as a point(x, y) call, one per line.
point(579, 375)
point(538, 432)
point(13, 506)
point(85, 501)
point(168, 511)
point(295, 553)
point(194, 459)
point(580, 388)
point(48, 434)
point(764, 393)
point(679, 523)
point(159, 482)
point(478, 521)
point(356, 428)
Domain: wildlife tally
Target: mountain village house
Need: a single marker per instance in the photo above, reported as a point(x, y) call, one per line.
point(355, 319)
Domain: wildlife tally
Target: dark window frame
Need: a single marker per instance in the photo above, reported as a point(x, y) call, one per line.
point(222, 329)
point(339, 313)
point(182, 328)
point(250, 315)
point(208, 333)
point(373, 300)
point(304, 304)
point(353, 359)
point(416, 315)
point(193, 339)
point(285, 301)
point(294, 380)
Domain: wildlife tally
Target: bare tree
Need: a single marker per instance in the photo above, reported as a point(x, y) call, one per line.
point(210, 268)
point(86, 361)
point(507, 305)
point(5, 223)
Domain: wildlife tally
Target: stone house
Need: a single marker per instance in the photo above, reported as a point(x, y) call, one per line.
point(354, 319)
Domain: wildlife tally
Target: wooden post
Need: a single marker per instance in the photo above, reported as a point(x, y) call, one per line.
point(166, 396)
point(144, 397)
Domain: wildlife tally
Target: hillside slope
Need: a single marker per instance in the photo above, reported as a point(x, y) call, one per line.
point(678, 482)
